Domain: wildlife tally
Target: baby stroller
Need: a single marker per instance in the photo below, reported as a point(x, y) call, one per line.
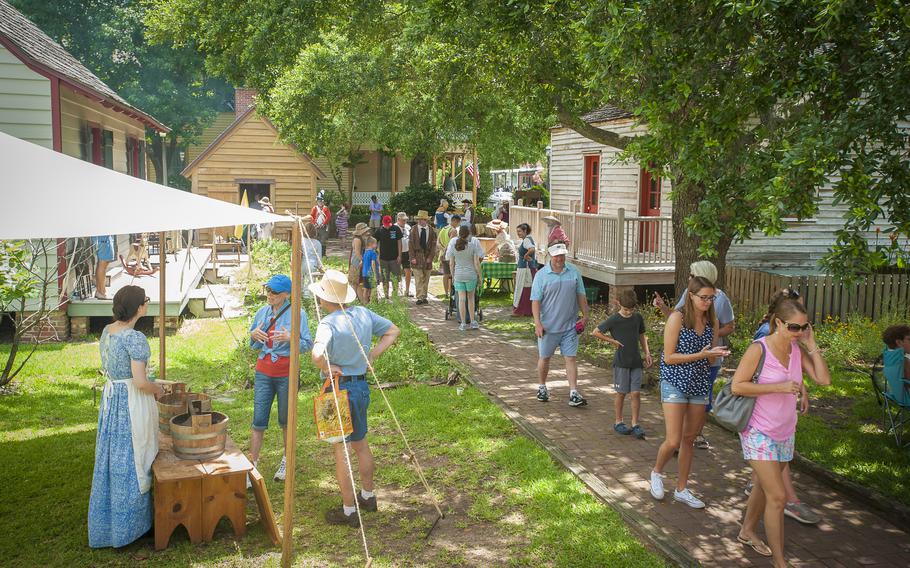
point(452, 307)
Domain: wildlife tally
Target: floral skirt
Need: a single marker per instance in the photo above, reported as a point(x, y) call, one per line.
point(761, 447)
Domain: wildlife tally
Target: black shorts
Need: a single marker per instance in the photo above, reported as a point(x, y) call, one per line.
point(405, 260)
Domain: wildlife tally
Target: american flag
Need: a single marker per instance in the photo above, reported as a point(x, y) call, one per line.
point(473, 172)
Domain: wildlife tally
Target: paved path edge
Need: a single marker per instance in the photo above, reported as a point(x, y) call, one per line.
point(884, 506)
point(641, 525)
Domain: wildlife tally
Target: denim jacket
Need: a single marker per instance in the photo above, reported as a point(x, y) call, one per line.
point(279, 348)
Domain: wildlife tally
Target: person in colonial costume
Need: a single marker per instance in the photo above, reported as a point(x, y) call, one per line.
point(422, 252)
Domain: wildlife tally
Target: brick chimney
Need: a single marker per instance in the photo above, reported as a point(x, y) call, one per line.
point(243, 99)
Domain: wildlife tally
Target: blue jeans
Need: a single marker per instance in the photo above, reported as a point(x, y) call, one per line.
point(265, 389)
point(359, 400)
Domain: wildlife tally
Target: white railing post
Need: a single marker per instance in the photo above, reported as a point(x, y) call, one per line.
point(620, 244)
point(574, 240)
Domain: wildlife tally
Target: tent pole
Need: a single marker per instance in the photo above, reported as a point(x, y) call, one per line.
point(287, 540)
point(162, 301)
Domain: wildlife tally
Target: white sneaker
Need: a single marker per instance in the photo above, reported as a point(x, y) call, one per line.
point(462, 327)
point(475, 325)
point(685, 496)
point(657, 485)
point(279, 475)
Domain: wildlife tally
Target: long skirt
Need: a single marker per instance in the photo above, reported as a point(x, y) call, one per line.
point(341, 224)
point(523, 308)
point(118, 513)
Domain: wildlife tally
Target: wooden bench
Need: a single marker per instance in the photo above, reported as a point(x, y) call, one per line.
point(198, 493)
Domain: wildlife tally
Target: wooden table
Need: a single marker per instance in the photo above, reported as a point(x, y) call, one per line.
point(198, 493)
point(231, 247)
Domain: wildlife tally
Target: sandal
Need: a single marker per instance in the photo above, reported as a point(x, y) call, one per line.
point(621, 428)
point(757, 545)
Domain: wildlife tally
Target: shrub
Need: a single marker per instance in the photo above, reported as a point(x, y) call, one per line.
point(416, 197)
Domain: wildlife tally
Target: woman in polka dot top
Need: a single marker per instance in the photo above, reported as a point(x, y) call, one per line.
point(690, 346)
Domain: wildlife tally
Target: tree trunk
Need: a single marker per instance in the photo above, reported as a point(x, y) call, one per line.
point(155, 156)
point(685, 202)
point(7, 375)
point(720, 261)
point(420, 169)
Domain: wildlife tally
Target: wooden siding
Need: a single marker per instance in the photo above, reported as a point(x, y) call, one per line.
point(619, 180)
point(800, 247)
point(253, 152)
point(25, 102)
point(76, 110)
point(209, 133)
point(368, 173)
point(327, 184)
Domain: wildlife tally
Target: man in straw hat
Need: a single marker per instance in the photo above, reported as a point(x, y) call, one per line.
point(270, 334)
point(557, 294)
point(342, 338)
point(422, 251)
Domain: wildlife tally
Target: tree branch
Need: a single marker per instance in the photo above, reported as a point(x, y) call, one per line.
point(606, 137)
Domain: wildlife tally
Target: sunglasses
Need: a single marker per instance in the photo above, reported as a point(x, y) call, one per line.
point(269, 290)
point(147, 300)
point(705, 298)
point(794, 327)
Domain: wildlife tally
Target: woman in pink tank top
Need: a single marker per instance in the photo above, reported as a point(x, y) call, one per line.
point(767, 442)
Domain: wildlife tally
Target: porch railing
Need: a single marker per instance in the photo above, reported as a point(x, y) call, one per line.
point(620, 242)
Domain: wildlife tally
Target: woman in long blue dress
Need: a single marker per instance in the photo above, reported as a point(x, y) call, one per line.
point(120, 506)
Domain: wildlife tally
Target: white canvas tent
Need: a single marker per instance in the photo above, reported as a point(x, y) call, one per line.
point(46, 194)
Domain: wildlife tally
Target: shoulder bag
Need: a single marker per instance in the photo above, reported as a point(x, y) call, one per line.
point(732, 411)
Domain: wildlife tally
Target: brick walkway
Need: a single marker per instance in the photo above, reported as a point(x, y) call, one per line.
point(849, 535)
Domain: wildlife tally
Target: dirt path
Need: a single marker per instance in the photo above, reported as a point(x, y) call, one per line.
point(618, 466)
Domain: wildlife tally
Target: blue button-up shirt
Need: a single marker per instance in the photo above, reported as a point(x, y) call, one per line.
point(279, 348)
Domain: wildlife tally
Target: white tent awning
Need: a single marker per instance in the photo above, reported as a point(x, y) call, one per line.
point(46, 194)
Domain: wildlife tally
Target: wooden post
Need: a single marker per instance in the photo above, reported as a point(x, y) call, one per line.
point(453, 174)
point(162, 303)
point(476, 176)
point(287, 518)
point(463, 173)
point(620, 244)
point(394, 173)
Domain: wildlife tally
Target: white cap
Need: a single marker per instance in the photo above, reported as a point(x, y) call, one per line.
point(557, 249)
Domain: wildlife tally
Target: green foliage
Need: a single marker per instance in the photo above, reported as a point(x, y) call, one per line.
point(416, 197)
point(17, 282)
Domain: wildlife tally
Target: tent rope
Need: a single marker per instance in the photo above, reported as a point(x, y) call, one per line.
point(335, 386)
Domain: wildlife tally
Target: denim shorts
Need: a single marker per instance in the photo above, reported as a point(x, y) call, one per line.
point(264, 391)
point(672, 395)
point(359, 400)
point(104, 247)
point(465, 285)
point(761, 447)
point(567, 342)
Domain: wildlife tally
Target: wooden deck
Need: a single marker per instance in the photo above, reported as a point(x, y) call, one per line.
point(617, 250)
point(183, 274)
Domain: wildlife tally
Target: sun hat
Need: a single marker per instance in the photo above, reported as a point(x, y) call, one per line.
point(360, 229)
point(551, 219)
point(466, 201)
point(265, 201)
point(497, 224)
point(333, 287)
point(422, 215)
point(558, 249)
point(279, 283)
point(387, 221)
point(401, 215)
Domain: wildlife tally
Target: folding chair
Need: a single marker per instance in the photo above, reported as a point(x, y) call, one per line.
point(894, 402)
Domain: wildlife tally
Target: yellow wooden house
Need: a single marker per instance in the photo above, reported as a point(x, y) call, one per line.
point(249, 157)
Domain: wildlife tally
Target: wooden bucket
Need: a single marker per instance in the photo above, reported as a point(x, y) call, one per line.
point(170, 405)
point(199, 436)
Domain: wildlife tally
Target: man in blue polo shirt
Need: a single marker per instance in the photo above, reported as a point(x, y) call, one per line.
point(556, 296)
point(342, 339)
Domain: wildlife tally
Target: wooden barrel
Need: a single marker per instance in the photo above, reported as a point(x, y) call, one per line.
point(171, 405)
point(199, 436)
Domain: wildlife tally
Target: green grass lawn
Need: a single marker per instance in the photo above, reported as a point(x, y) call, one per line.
point(507, 503)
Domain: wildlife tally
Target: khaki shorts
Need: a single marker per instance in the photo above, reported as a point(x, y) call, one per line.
point(388, 268)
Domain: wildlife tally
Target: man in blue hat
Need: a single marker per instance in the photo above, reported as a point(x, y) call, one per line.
point(270, 334)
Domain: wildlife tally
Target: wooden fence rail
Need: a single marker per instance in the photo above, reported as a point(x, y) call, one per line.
point(872, 296)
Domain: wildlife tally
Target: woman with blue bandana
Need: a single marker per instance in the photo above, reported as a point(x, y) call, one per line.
point(270, 334)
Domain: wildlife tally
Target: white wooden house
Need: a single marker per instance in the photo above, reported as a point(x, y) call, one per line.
point(49, 98)
point(588, 177)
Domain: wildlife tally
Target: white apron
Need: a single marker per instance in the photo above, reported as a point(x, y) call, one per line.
point(143, 425)
point(522, 280)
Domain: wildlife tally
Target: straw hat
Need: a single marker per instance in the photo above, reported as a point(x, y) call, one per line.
point(422, 215)
point(265, 201)
point(307, 219)
point(551, 219)
point(497, 224)
point(360, 229)
point(333, 287)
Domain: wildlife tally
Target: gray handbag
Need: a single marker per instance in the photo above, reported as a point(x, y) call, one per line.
point(734, 411)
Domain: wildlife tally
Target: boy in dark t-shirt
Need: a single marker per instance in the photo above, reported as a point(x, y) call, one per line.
point(390, 241)
point(627, 329)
